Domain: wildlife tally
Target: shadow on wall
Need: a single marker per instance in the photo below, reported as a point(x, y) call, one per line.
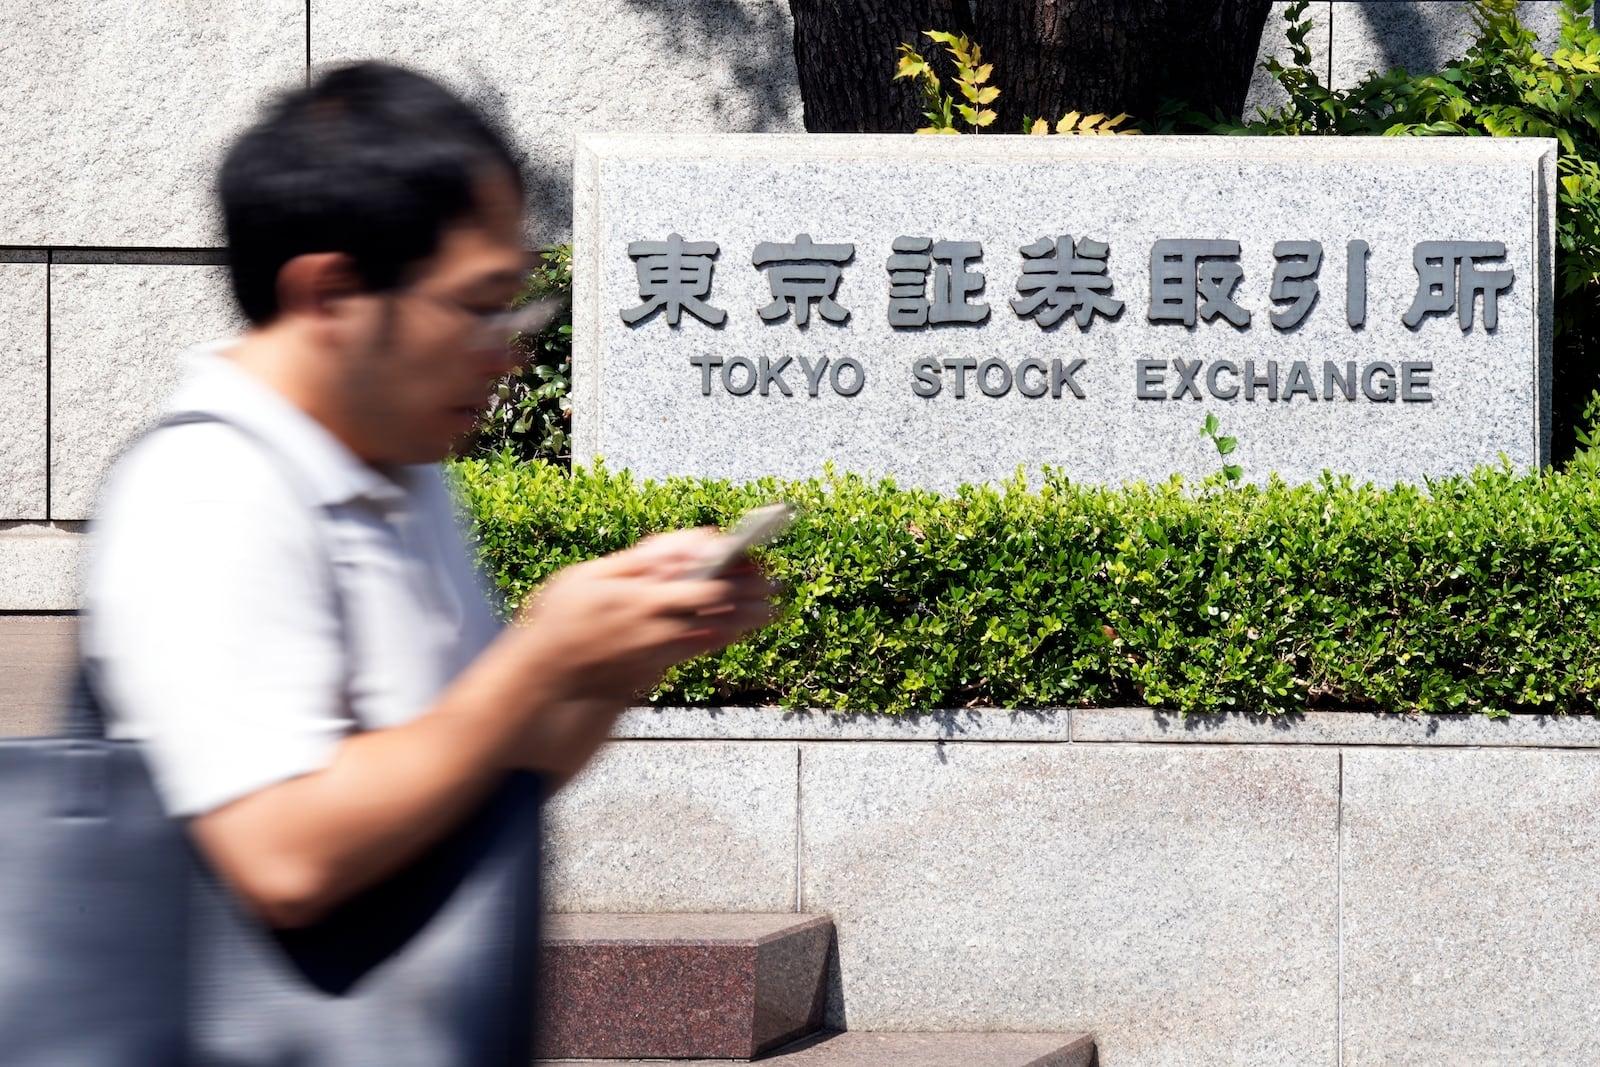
point(1406, 37)
point(1417, 34)
point(757, 40)
point(743, 48)
point(549, 182)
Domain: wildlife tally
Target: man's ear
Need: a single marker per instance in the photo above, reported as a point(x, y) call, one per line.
point(311, 283)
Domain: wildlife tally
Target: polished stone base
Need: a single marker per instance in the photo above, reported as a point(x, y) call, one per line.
point(681, 986)
point(865, 1049)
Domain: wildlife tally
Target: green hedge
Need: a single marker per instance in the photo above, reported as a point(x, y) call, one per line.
point(1477, 593)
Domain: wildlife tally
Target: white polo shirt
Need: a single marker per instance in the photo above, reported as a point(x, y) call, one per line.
point(209, 602)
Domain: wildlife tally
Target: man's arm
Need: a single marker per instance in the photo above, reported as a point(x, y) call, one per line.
point(542, 696)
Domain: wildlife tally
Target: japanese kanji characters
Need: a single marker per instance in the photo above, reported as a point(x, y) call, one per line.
point(1180, 270)
point(1059, 278)
point(673, 275)
point(1294, 279)
point(953, 282)
point(1448, 279)
point(796, 282)
point(933, 281)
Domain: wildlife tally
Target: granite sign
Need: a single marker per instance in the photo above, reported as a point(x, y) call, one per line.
point(943, 312)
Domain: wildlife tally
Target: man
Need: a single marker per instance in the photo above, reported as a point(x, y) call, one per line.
point(322, 721)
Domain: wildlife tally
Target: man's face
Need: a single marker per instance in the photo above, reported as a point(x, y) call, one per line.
point(417, 377)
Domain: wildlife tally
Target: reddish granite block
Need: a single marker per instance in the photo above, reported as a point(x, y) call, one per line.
point(680, 986)
point(862, 1049)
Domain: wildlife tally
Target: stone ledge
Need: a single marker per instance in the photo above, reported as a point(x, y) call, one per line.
point(1336, 728)
point(1108, 725)
point(1330, 152)
point(40, 566)
point(37, 656)
point(779, 724)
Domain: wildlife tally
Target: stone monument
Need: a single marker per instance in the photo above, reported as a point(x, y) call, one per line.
point(948, 310)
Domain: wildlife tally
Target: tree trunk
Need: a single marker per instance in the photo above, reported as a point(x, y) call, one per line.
point(845, 52)
point(1049, 56)
point(1055, 56)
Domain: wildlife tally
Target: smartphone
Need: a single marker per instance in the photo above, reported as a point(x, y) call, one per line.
point(755, 527)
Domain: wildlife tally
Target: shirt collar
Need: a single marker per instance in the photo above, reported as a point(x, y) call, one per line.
point(216, 385)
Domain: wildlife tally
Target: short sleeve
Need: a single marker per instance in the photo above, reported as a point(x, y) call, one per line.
point(211, 613)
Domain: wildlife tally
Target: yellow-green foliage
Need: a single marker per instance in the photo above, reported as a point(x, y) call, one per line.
point(1477, 593)
point(1076, 123)
point(971, 74)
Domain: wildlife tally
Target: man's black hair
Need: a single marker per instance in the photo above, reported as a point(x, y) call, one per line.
point(370, 160)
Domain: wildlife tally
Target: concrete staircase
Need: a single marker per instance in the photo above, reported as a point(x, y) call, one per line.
point(709, 989)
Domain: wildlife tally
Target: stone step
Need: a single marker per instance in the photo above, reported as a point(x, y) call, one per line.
point(857, 1048)
point(724, 986)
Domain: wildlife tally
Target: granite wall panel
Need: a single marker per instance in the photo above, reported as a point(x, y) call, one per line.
point(1471, 899)
point(562, 68)
point(117, 334)
point(1180, 906)
point(116, 114)
point(686, 826)
point(1418, 35)
point(23, 374)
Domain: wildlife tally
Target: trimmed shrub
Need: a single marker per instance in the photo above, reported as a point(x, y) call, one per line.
point(1477, 593)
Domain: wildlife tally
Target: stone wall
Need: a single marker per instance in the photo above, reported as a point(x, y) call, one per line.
point(109, 246)
point(1337, 887)
point(1329, 888)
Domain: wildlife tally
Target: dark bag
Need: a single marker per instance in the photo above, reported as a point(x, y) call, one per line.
point(120, 947)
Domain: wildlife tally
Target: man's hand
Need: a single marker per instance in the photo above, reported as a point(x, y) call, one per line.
point(609, 628)
point(600, 633)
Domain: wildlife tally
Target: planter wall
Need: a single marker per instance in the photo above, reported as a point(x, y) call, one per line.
point(1337, 887)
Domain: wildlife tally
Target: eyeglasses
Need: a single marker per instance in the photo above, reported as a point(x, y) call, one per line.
point(502, 326)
